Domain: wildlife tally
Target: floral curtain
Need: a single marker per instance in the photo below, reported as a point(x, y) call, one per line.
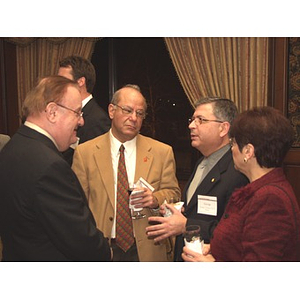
point(39, 57)
point(235, 68)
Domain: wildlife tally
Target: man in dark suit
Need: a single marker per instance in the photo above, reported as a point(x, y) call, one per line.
point(96, 120)
point(44, 214)
point(214, 175)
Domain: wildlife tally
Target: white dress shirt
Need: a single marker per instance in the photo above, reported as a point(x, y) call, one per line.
point(86, 100)
point(130, 162)
point(40, 130)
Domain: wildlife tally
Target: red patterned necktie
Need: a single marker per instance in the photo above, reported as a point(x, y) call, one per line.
point(124, 230)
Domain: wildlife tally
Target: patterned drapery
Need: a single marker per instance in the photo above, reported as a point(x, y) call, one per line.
point(39, 57)
point(294, 87)
point(235, 68)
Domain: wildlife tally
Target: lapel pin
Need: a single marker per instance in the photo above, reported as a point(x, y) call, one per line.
point(145, 159)
point(212, 180)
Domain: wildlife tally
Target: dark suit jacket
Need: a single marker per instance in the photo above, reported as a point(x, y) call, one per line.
point(96, 122)
point(43, 210)
point(220, 182)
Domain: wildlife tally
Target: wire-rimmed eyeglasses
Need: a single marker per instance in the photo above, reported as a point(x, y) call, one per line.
point(78, 113)
point(199, 120)
point(129, 111)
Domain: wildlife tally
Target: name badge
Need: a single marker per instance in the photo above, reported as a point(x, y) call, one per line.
point(207, 205)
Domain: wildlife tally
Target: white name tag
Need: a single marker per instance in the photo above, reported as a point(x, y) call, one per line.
point(207, 205)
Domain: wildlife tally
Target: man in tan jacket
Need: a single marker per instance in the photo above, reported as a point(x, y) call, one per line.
point(3, 140)
point(96, 161)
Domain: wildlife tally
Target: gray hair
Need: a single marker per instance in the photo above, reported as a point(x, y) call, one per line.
point(223, 109)
point(115, 98)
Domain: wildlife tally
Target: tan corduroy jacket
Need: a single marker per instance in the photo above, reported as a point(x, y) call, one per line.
point(155, 162)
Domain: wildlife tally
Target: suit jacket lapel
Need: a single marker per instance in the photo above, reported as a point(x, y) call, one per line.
point(184, 194)
point(88, 107)
point(102, 156)
point(33, 134)
point(211, 179)
point(144, 158)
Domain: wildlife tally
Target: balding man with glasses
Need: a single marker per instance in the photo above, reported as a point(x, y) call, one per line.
point(44, 214)
point(214, 175)
point(96, 165)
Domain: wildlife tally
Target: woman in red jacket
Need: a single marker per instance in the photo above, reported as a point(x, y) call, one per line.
point(261, 220)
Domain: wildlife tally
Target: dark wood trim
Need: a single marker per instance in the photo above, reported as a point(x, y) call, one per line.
point(9, 89)
point(279, 75)
point(293, 157)
point(3, 108)
point(279, 81)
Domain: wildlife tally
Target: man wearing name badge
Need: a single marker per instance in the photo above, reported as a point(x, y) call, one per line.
point(213, 180)
point(111, 163)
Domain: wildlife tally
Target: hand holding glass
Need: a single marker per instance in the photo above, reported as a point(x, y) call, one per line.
point(136, 213)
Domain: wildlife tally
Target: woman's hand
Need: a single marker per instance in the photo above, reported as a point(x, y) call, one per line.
point(192, 256)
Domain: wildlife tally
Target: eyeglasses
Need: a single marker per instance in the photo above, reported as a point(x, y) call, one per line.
point(129, 111)
point(78, 113)
point(199, 120)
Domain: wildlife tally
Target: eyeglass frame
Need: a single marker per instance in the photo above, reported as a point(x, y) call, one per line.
point(200, 120)
point(130, 111)
point(79, 114)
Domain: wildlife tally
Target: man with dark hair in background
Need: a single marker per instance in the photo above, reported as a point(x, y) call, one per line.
point(96, 120)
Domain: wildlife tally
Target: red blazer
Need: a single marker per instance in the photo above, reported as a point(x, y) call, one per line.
point(260, 223)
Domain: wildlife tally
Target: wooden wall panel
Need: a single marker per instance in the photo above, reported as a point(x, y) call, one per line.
point(10, 120)
point(279, 99)
point(292, 171)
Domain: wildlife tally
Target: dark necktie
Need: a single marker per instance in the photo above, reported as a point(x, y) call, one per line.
point(124, 230)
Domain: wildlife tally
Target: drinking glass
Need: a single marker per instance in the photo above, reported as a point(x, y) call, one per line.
point(192, 238)
point(136, 213)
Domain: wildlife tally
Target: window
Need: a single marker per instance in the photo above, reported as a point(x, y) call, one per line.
point(146, 62)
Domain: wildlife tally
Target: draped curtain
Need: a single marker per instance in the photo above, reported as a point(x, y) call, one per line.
point(39, 57)
point(234, 68)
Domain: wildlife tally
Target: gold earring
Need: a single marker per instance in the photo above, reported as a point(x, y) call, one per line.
point(245, 160)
